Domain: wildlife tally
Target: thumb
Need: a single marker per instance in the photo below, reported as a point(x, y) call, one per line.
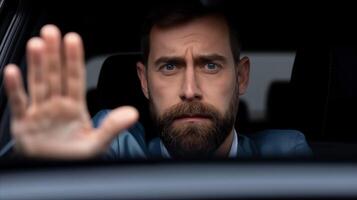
point(116, 121)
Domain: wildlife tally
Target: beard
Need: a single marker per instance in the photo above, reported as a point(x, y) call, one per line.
point(194, 140)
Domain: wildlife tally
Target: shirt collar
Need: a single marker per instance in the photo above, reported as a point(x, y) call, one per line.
point(233, 153)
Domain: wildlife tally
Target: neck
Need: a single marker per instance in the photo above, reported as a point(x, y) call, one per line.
point(223, 150)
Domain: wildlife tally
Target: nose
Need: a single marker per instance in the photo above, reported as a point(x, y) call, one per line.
point(190, 89)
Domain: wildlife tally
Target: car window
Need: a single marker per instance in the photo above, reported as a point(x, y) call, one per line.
point(301, 89)
point(272, 56)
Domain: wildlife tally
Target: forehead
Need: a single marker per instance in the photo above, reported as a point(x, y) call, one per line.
point(208, 34)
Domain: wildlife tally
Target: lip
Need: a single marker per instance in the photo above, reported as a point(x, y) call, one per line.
point(192, 119)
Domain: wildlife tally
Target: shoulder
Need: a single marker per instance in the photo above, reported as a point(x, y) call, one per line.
point(129, 144)
point(136, 130)
point(279, 143)
point(98, 118)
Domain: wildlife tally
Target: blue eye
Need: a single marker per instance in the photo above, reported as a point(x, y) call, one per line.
point(169, 66)
point(168, 69)
point(211, 66)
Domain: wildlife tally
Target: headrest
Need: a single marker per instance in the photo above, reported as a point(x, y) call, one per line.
point(324, 92)
point(119, 85)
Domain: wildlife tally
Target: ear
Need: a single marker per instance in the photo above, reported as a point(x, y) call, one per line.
point(142, 74)
point(243, 74)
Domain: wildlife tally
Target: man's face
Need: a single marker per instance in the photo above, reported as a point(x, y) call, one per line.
point(193, 83)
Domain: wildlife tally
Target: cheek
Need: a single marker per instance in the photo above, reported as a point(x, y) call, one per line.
point(163, 92)
point(219, 91)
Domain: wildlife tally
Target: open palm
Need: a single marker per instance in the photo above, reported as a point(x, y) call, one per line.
point(53, 121)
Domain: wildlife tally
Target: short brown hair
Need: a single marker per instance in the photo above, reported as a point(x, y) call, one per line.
point(180, 12)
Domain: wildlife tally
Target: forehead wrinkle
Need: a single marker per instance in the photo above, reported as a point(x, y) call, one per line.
point(189, 53)
point(201, 41)
point(189, 35)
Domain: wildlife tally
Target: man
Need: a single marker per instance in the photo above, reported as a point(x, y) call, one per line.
point(192, 75)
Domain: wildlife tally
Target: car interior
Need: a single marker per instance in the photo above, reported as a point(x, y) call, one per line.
point(318, 99)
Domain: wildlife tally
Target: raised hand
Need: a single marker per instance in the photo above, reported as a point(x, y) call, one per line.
point(52, 121)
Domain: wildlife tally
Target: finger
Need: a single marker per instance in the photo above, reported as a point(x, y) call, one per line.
point(36, 61)
point(117, 121)
point(15, 91)
point(75, 72)
point(52, 38)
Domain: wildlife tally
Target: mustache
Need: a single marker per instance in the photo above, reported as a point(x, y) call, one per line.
point(190, 109)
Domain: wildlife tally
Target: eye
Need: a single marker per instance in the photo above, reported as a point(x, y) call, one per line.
point(212, 67)
point(168, 68)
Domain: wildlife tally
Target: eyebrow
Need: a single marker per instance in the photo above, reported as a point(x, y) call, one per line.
point(210, 58)
point(198, 59)
point(170, 59)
